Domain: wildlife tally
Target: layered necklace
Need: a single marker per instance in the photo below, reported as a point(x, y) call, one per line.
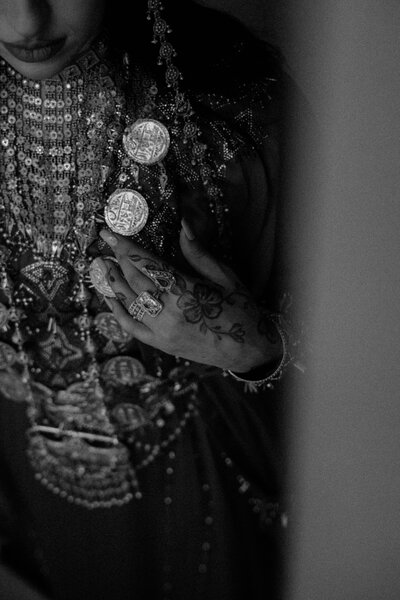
point(79, 149)
point(58, 139)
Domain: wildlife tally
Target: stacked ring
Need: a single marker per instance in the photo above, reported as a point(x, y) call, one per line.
point(145, 303)
point(163, 280)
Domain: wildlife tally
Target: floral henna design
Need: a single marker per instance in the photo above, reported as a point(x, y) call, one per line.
point(134, 258)
point(240, 293)
point(122, 298)
point(236, 332)
point(110, 276)
point(203, 304)
point(119, 295)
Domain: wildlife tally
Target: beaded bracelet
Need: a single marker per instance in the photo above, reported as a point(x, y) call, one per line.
point(251, 379)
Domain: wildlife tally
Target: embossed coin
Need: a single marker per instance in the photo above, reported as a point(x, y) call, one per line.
point(98, 278)
point(123, 370)
point(8, 355)
point(12, 387)
point(129, 416)
point(146, 141)
point(108, 326)
point(126, 212)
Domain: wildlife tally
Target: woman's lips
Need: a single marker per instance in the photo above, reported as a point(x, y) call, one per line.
point(38, 53)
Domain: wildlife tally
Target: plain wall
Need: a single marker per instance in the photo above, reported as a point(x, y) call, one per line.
point(345, 428)
point(344, 234)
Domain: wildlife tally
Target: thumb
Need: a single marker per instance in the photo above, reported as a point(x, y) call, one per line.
point(201, 260)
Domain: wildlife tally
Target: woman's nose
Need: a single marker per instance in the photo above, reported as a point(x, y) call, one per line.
point(28, 18)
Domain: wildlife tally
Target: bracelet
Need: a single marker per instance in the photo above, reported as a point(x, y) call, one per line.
point(253, 385)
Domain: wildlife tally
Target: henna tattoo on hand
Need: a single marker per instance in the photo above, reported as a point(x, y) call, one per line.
point(110, 276)
point(240, 293)
point(122, 298)
point(119, 295)
point(204, 304)
point(236, 332)
point(134, 258)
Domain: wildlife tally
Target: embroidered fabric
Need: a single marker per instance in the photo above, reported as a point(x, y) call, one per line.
point(111, 422)
point(90, 397)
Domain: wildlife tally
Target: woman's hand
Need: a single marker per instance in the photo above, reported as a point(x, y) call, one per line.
point(210, 318)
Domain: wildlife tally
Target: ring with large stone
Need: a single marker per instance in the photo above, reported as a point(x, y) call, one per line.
point(147, 303)
point(163, 280)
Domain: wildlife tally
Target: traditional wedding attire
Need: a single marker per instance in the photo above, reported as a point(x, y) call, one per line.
point(187, 503)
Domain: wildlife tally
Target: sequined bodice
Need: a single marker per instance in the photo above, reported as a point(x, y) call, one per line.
point(61, 348)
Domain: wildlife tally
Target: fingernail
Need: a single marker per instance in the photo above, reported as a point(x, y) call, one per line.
point(108, 237)
point(188, 232)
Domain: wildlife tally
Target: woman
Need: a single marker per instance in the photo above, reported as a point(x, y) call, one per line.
point(138, 211)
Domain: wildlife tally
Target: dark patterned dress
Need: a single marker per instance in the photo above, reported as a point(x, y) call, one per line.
point(199, 513)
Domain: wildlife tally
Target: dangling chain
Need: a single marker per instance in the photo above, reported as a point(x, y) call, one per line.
point(55, 149)
point(183, 109)
point(54, 182)
point(59, 140)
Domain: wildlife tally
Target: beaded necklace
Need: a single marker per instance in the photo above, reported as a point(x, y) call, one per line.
point(61, 139)
point(60, 143)
point(57, 138)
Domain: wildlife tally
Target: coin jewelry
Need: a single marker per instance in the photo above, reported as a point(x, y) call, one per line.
point(123, 369)
point(98, 279)
point(59, 139)
point(97, 131)
point(146, 141)
point(109, 327)
point(126, 212)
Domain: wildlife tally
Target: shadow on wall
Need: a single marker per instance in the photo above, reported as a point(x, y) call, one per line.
point(261, 16)
point(345, 185)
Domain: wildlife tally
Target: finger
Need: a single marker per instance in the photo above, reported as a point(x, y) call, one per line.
point(136, 277)
point(122, 290)
point(202, 261)
point(127, 297)
point(139, 266)
point(124, 247)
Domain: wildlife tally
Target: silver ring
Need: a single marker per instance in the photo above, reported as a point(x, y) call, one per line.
point(163, 280)
point(145, 303)
point(136, 311)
